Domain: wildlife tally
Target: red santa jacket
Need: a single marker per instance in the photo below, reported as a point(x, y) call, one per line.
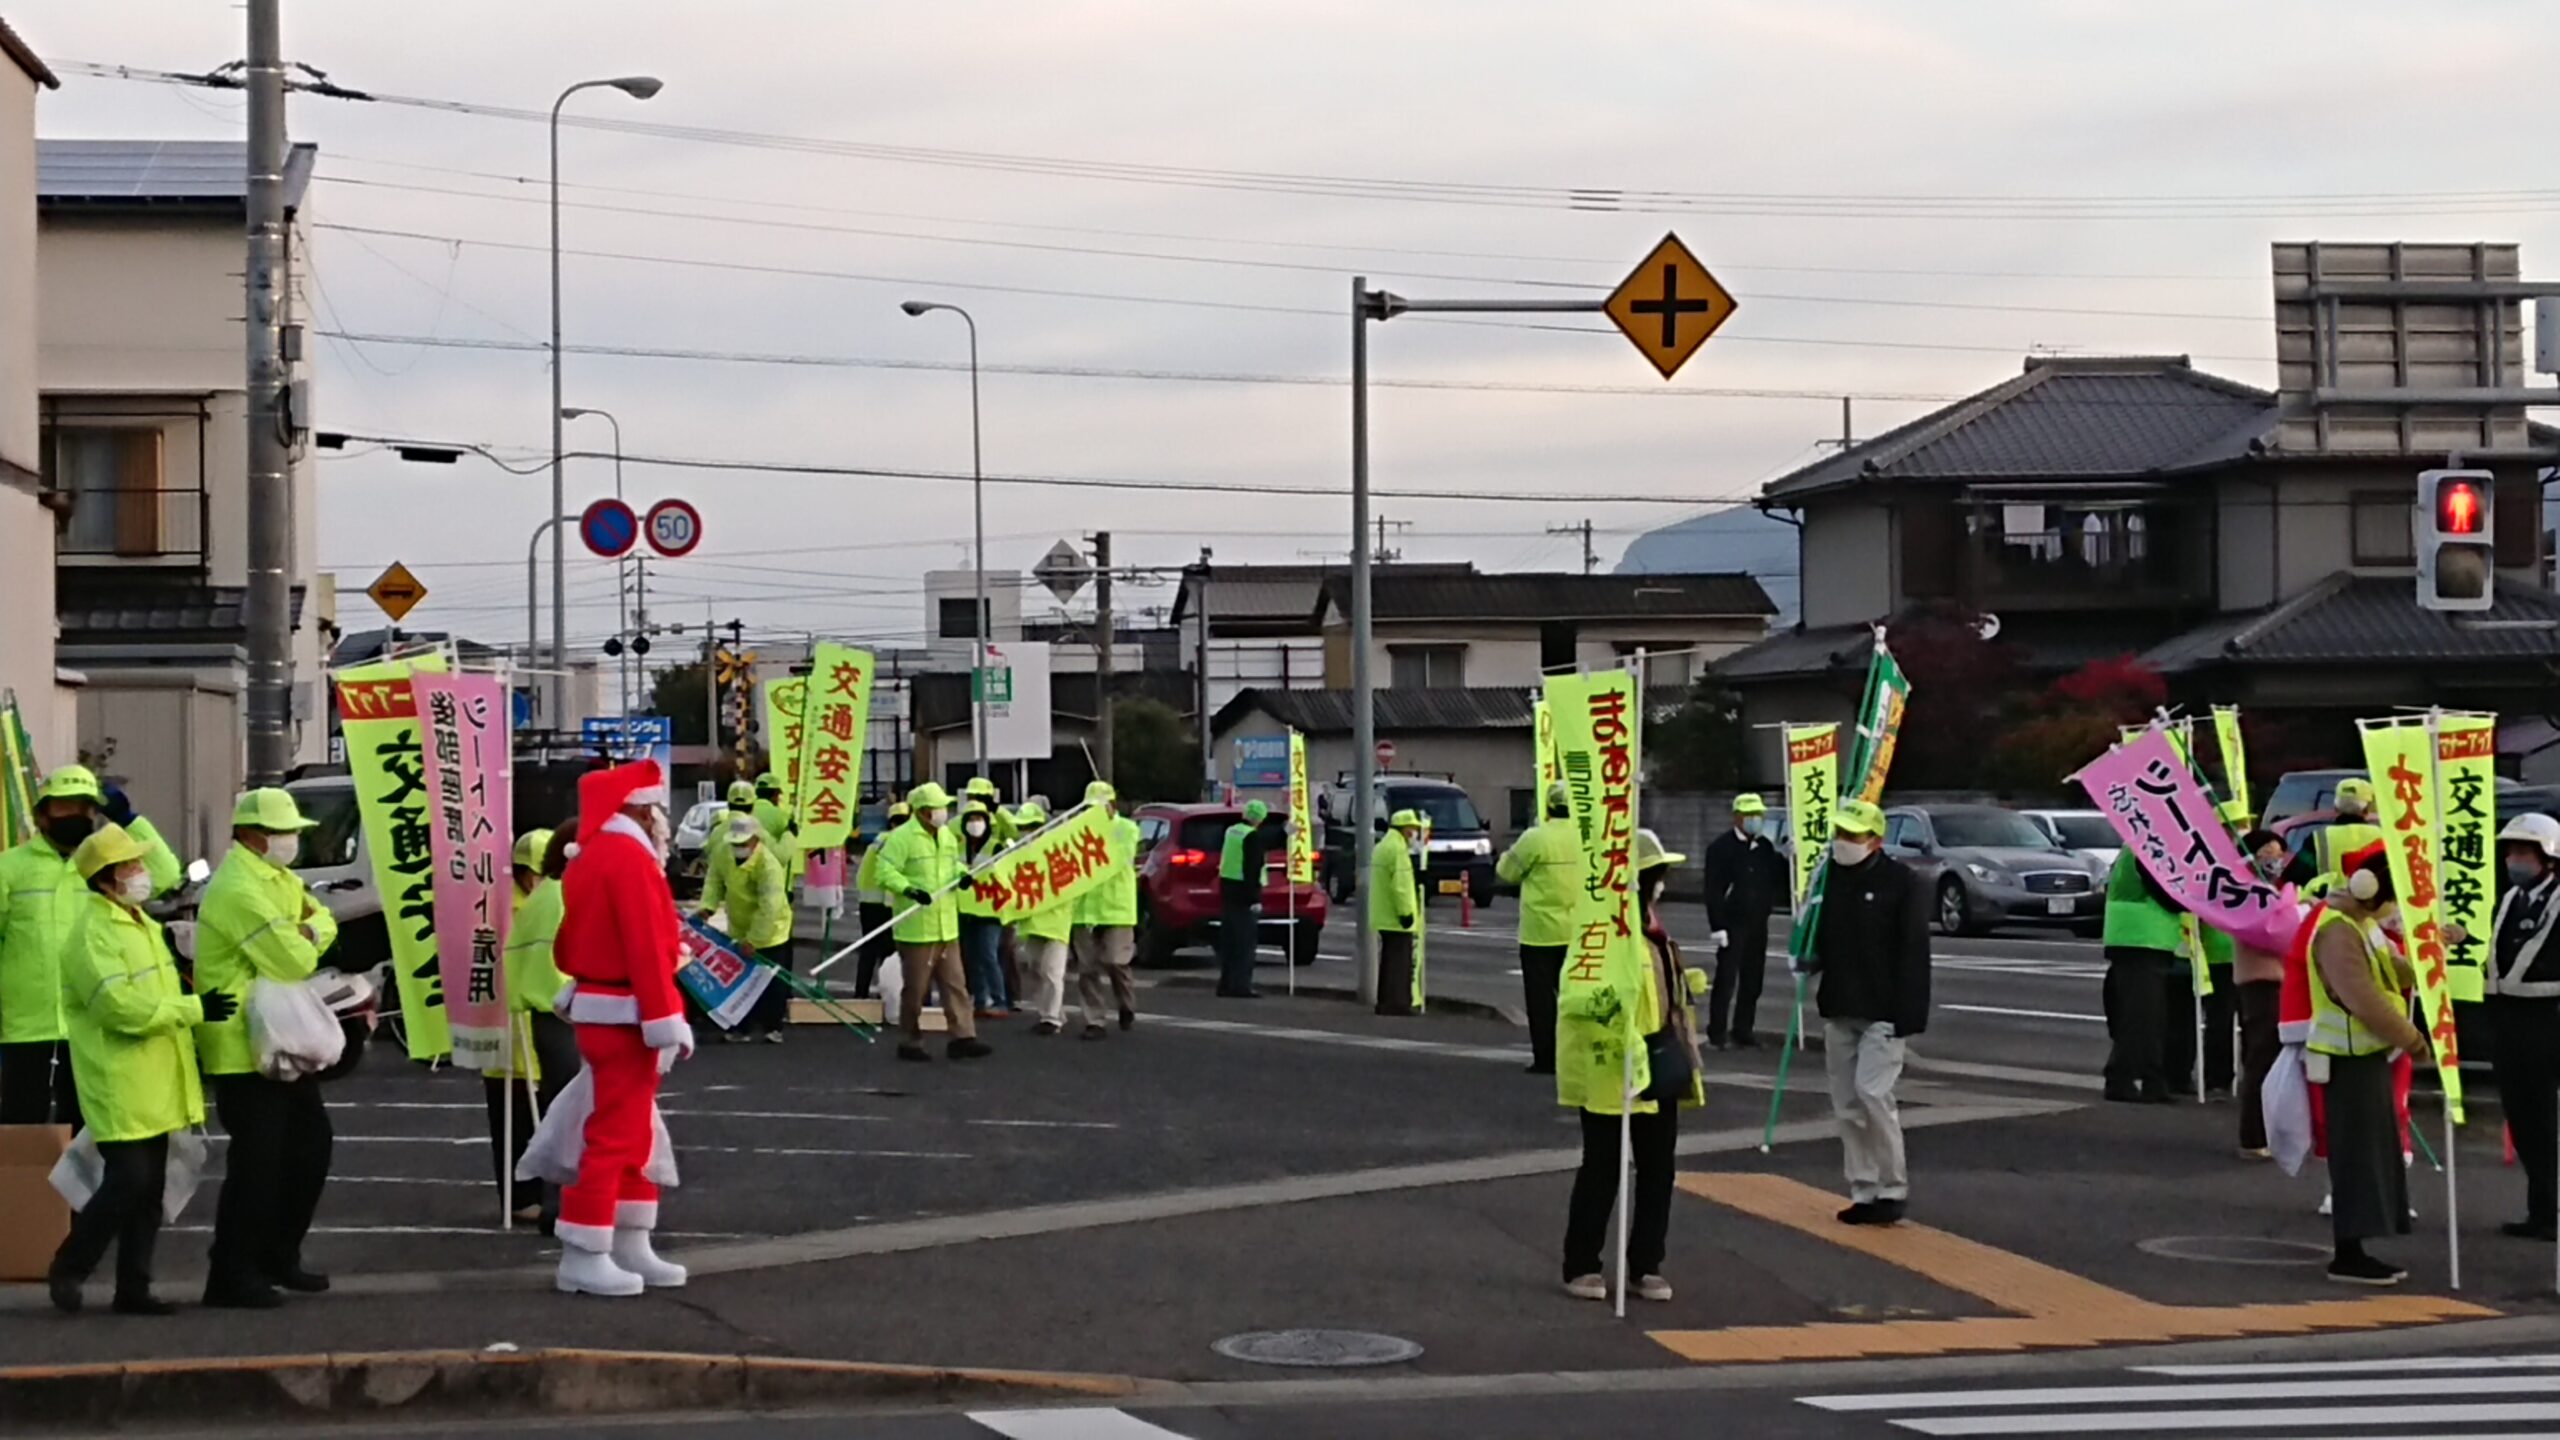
point(618, 925)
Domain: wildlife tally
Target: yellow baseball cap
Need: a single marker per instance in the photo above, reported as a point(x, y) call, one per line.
point(1857, 817)
point(72, 782)
point(268, 809)
point(529, 848)
point(107, 847)
point(1749, 804)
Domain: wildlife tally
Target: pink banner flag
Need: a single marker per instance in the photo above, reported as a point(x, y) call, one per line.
point(2169, 827)
point(470, 815)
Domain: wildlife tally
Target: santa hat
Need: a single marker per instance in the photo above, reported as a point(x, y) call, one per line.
point(603, 794)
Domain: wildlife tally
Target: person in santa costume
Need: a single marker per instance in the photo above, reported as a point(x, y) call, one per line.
point(617, 946)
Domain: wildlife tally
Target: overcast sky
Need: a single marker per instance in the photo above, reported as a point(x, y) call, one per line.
point(2137, 107)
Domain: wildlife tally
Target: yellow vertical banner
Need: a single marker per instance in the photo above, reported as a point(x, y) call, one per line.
point(1302, 815)
point(835, 724)
point(1599, 1030)
point(783, 700)
point(1813, 784)
point(2235, 755)
point(1550, 770)
point(2402, 759)
point(378, 716)
point(2466, 760)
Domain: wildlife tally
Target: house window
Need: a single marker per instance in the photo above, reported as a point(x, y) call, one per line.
point(1671, 668)
point(956, 618)
point(1426, 667)
point(2382, 528)
point(113, 475)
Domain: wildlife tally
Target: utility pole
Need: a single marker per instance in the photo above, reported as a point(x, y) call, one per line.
point(710, 688)
point(1590, 561)
point(1105, 638)
point(1364, 729)
point(1208, 754)
point(268, 613)
point(1384, 524)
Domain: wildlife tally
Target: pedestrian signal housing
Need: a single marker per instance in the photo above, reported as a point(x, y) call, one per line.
point(2456, 521)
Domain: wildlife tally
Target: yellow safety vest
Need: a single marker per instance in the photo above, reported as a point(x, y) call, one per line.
point(2334, 1029)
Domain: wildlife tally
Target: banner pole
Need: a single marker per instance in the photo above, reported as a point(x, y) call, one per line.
point(1626, 1158)
point(2452, 1168)
point(507, 1135)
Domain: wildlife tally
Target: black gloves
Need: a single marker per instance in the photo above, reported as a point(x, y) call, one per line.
point(1404, 922)
point(921, 897)
point(218, 1006)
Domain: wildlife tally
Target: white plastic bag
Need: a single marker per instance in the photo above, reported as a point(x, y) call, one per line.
point(81, 1170)
point(891, 986)
point(561, 1139)
point(292, 1031)
point(2284, 1100)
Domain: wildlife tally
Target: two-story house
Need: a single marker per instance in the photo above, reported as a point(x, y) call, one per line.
point(27, 665)
point(2100, 507)
point(144, 452)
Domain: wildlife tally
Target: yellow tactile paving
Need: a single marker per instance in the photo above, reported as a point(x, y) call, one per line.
point(2055, 1308)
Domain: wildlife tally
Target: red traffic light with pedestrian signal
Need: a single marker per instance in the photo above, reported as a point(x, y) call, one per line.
point(2456, 521)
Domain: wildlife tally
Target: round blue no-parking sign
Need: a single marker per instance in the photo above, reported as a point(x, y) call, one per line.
point(609, 528)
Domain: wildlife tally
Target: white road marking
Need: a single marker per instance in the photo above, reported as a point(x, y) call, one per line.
point(2342, 1389)
point(2332, 1417)
point(1070, 1425)
point(2025, 1014)
point(2362, 1367)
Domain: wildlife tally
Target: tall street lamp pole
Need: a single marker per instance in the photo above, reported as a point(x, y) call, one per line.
point(978, 503)
point(621, 568)
point(638, 87)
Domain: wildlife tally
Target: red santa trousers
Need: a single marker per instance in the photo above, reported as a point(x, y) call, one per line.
point(610, 1190)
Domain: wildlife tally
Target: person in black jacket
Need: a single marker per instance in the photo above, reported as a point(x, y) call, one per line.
point(1871, 950)
point(2524, 1014)
point(1745, 878)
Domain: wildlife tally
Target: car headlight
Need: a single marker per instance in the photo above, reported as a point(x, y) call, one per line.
point(1482, 848)
point(1988, 874)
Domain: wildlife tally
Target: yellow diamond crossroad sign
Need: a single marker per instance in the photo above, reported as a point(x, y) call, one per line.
point(1668, 305)
point(397, 592)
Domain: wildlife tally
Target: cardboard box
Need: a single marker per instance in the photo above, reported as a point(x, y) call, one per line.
point(33, 1219)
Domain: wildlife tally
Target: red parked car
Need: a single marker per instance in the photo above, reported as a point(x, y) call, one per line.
point(1178, 851)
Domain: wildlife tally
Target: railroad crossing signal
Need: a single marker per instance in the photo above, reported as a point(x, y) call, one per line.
point(1668, 305)
point(396, 592)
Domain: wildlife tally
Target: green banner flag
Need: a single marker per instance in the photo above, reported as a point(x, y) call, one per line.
point(18, 778)
point(378, 714)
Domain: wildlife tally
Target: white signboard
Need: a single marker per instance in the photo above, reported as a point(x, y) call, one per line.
point(1017, 689)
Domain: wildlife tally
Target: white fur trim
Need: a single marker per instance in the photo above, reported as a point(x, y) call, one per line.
point(647, 795)
point(570, 850)
point(590, 1007)
point(594, 1238)
point(620, 824)
point(635, 1215)
point(669, 1031)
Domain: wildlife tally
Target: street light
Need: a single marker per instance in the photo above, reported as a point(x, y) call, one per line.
point(978, 503)
point(621, 601)
point(638, 87)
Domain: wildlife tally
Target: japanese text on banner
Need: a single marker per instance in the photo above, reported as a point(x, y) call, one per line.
point(1302, 815)
point(378, 716)
point(2402, 761)
point(782, 702)
point(2147, 792)
point(1050, 866)
point(1599, 1021)
point(1880, 729)
point(470, 813)
point(1813, 777)
point(723, 982)
point(1550, 769)
point(835, 729)
point(2467, 753)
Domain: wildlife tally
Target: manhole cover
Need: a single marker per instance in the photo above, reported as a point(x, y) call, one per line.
point(2234, 1250)
point(1326, 1349)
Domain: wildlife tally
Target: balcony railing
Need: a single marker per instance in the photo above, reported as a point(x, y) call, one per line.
point(2124, 557)
point(153, 523)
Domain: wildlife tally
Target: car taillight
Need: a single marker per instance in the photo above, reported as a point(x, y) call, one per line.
point(1187, 859)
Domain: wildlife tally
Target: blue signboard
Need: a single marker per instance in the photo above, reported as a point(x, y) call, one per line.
point(1262, 762)
point(633, 737)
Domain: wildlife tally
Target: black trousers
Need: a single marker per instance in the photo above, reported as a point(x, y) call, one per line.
point(2221, 1029)
point(1395, 972)
point(555, 1053)
point(2137, 1003)
point(35, 1084)
point(1734, 1001)
point(867, 960)
point(1239, 932)
point(124, 1213)
point(2527, 1036)
point(2260, 1045)
point(272, 1175)
point(1541, 973)
point(772, 1010)
point(1595, 1192)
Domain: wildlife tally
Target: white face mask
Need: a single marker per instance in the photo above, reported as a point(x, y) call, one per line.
point(283, 850)
point(935, 819)
point(1848, 852)
point(135, 888)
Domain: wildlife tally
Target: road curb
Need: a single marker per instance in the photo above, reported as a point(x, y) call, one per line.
point(551, 1381)
point(1433, 1004)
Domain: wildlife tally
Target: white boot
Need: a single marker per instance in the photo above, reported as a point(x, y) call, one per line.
point(592, 1272)
point(632, 1222)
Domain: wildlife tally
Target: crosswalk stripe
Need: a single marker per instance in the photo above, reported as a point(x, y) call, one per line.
point(1070, 1425)
point(2157, 1421)
point(2362, 1367)
point(2144, 1394)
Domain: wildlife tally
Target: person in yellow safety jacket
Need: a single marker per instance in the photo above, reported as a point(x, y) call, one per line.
point(2322, 863)
point(983, 791)
point(779, 825)
point(1665, 1018)
point(1045, 933)
point(920, 864)
point(1393, 904)
point(1546, 862)
point(2360, 989)
point(158, 860)
point(1007, 972)
point(544, 1045)
point(760, 924)
point(2145, 949)
point(1106, 921)
point(981, 933)
point(1243, 857)
point(40, 895)
point(258, 922)
point(872, 902)
point(716, 861)
point(132, 1027)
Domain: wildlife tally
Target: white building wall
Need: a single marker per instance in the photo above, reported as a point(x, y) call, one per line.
point(26, 527)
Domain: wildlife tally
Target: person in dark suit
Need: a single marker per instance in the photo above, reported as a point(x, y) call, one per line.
point(1745, 879)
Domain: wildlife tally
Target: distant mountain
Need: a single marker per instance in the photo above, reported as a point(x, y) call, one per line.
point(1735, 538)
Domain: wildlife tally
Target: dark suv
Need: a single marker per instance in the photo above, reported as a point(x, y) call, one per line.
point(1461, 843)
